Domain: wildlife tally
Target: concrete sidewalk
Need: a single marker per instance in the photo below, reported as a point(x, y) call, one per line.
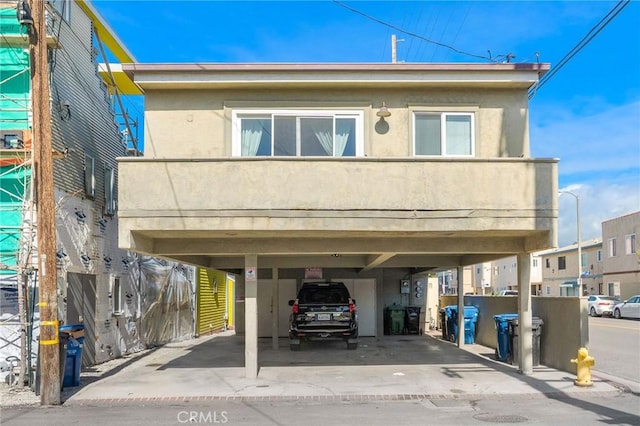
point(393, 367)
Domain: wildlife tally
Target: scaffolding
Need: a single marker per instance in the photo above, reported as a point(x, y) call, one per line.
point(17, 210)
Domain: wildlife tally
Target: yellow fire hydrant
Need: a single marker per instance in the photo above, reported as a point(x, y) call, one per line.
point(584, 363)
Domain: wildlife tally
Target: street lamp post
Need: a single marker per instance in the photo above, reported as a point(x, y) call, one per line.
point(577, 197)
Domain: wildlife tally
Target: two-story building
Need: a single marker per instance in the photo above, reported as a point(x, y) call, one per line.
point(369, 172)
point(560, 275)
point(621, 262)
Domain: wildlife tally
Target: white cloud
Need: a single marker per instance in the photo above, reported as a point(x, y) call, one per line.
point(598, 202)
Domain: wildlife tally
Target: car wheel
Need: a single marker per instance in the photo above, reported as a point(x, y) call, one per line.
point(294, 346)
point(352, 346)
point(592, 312)
point(616, 314)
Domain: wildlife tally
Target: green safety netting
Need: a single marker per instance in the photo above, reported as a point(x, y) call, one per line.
point(14, 75)
point(13, 182)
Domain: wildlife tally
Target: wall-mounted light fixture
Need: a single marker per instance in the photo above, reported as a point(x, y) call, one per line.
point(102, 223)
point(107, 261)
point(125, 263)
point(60, 254)
point(381, 126)
point(383, 112)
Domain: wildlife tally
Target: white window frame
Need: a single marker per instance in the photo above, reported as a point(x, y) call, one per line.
point(611, 247)
point(89, 176)
point(109, 191)
point(237, 115)
point(443, 132)
point(548, 290)
point(630, 246)
point(116, 295)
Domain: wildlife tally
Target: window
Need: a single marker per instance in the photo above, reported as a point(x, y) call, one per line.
point(584, 259)
point(116, 296)
point(64, 8)
point(445, 134)
point(562, 263)
point(630, 244)
point(287, 133)
point(599, 255)
point(89, 176)
point(611, 245)
point(548, 290)
point(547, 263)
point(535, 263)
point(109, 191)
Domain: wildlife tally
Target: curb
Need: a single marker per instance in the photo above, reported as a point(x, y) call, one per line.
point(333, 398)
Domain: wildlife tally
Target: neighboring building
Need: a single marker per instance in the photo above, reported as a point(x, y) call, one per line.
point(368, 173)
point(560, 270)
point(621, 259)
point(120, 298)
point(502, 274)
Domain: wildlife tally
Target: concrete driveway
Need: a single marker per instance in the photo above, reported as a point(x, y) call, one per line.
point(392, 367)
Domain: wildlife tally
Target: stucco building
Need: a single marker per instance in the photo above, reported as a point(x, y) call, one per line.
point(621, 260)
point(371, 173)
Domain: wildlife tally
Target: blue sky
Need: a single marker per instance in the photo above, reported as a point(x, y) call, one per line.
point(588, 114)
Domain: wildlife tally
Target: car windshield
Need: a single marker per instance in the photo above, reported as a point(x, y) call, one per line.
point(323, 294)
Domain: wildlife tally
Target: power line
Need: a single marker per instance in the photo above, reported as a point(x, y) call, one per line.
point(594, 31)
point(411, 33)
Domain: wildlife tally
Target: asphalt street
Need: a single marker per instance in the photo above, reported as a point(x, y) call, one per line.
point(621, 409)
point(615, 344)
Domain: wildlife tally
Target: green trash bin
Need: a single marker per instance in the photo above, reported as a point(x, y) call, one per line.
point(394, 319)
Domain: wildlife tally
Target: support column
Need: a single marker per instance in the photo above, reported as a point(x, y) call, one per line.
point(460, 270)
point(525, 337)
point(275, 308)
point(251, 316)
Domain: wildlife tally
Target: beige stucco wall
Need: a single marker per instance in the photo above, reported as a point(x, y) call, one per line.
point(624, 268)
point(283, 195)
point(565, 324)
point(197, 124)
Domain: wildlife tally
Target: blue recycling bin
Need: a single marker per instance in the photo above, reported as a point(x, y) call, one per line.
point(470, 321)
point(503, 348)
point(73, 359)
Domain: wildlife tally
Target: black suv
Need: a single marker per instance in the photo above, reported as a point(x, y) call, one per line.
point(323, 310)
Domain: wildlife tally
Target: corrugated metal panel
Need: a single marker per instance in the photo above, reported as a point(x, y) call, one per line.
point(88, 126)
point(212, 301)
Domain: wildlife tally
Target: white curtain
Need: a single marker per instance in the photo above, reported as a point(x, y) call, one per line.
point(326, 139)
point(343, 128)
point(251, 137)
point(458, 135)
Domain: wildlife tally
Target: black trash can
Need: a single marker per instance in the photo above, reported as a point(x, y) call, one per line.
point(412, 320)
point(443, 324)
point(536, 332)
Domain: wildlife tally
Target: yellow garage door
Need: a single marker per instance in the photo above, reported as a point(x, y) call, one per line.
point(212, 300)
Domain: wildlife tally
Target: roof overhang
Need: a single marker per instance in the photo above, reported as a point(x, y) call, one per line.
point(274, 75)
point(109, 38)
point(121, 79)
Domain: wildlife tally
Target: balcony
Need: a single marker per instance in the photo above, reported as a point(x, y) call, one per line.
point(199, 210)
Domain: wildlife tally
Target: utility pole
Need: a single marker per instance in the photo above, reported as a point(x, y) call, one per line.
point(49, 351)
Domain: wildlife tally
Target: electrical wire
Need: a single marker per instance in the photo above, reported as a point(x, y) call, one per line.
point(409, 33)
point(594, 31)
